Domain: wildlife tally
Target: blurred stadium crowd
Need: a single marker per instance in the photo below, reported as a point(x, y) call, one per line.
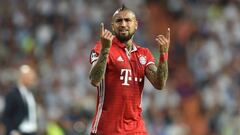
point(202, 96)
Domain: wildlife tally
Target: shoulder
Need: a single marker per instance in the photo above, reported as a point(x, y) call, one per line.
point(97, 47)
point(13, 92)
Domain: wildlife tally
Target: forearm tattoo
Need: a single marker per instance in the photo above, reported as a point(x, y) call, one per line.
point(162, 73)
point(98, 70)
point(157, 75)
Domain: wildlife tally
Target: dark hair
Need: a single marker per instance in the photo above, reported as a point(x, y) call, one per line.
point(123, 8)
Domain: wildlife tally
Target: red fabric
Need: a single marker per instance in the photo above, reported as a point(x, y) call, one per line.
point(118, 110)
point(164, 57)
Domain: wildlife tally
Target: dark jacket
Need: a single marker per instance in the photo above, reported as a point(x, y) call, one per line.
point(15, 110)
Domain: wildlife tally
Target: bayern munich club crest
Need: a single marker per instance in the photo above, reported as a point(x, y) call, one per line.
point(142, 59)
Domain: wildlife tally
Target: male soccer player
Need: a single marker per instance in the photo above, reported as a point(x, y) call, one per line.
point(118, 69)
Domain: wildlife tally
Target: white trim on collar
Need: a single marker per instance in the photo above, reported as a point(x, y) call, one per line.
point(134, 48)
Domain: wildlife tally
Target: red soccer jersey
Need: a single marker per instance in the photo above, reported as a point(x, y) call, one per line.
point(118, 110)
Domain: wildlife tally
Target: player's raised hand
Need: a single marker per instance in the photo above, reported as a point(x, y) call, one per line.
point(163, 42)
point(106, 37)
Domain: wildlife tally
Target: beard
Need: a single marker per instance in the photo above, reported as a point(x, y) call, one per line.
point(124, 38)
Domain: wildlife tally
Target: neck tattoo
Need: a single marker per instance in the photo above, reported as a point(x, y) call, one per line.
point(129, 46)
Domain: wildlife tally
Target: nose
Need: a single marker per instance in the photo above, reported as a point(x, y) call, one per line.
point(123, 23)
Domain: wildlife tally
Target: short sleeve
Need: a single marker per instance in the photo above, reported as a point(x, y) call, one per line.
point(95, 52)
point(150, 58)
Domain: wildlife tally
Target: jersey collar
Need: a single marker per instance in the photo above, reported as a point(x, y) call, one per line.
point(121, 45)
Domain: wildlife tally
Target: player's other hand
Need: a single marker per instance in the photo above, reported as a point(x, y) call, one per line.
point(106, 37)
point(163, 42)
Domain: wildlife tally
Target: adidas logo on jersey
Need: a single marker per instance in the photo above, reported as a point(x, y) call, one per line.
point(120, 58)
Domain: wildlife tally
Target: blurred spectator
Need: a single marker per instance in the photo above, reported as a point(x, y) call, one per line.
point(20, 112)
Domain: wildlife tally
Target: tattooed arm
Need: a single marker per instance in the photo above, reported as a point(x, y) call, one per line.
point(98, 67)
point(158, 75)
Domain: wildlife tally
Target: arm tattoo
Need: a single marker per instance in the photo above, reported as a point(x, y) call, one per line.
point(98, 70)
point(162, 73)
point(157, 75)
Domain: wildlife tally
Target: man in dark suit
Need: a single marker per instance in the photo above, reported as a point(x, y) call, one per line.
point(20, 115)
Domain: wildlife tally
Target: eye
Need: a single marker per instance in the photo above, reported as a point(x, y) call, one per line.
point(118, 20)
point(127, 20)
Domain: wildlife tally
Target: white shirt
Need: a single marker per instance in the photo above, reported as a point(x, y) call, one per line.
point(29, 124)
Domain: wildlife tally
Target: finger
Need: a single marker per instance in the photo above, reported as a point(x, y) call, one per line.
point(163, 41)
point(160, 36)
point(108, 34)
point(163, 38)
point(101, 29)
point(105, 33)
point(112, 37)
point(168, 34)
point(159, 41)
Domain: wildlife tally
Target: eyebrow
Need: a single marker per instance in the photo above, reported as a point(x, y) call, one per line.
point(124, 18)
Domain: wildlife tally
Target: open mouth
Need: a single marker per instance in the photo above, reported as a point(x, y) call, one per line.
point(123, 31)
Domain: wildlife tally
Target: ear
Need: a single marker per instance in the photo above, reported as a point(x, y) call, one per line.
point(136, 25)
point(112, 26)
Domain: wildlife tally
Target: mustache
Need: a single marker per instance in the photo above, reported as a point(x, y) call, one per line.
point(124, 38)
point(123, 30)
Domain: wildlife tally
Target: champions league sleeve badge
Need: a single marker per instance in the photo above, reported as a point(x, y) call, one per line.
point(142, 59)
point(94, 56)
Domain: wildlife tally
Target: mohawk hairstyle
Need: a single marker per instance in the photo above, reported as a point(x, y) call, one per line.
point(122, 8)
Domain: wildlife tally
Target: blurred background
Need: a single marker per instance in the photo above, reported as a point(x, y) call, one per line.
point(202, 96)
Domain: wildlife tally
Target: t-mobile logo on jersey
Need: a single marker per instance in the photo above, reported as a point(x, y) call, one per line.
point(126, 75)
